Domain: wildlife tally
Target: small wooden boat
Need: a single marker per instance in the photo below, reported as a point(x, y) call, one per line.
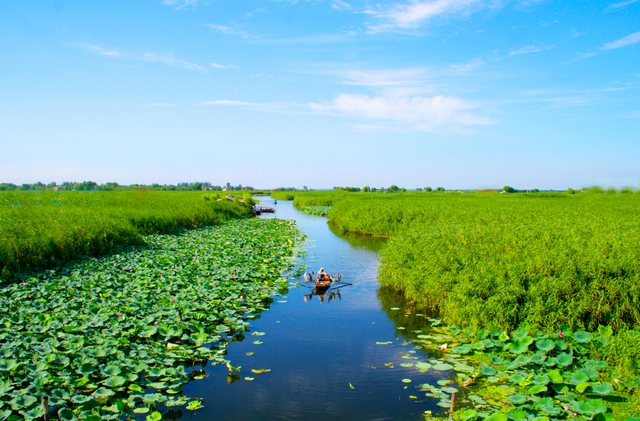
point(265, 209)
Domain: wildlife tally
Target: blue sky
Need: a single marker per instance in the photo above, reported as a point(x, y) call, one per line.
point(268, 93)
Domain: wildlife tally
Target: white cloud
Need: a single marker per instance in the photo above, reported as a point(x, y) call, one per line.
point(341, 5)
point(228, 102)
point(526, 50)
point(467, 67)
point(227, 30)
point(416, 12)
point(620, 4)
point(417, 113)
point(623, 42)
point(173, 61)
point(180, 4)
point(222, 66)
point(102, 51)
point(395, 77)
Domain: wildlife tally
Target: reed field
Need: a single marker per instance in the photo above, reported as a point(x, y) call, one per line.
point(46, 229)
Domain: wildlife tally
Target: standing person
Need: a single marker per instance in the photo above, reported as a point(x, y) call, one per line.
point(321, 274)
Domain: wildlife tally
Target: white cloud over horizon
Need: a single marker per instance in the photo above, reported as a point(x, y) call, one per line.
point(416, 113)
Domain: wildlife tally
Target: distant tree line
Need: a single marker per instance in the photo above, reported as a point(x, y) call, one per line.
point(112, 186)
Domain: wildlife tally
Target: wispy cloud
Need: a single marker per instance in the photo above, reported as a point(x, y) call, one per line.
point(181, 4)
point(145, 57)
point(467, 67)
point(528, 49)
point(341, 5)
point(160, 104)
point(100, 50)
point(623, 42)
point(435, 114)
point(229, 102)
point(619, 4)
point(227, 30)
point(173, 61)
point(222, 66)
point(416, 12)
point(394, 77)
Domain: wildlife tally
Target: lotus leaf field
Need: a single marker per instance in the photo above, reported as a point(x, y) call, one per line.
point(516, 375)
point(121, 334)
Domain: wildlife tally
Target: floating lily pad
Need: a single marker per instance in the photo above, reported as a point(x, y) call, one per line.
point(406, 365)
point(406, 380)
point(442, 367)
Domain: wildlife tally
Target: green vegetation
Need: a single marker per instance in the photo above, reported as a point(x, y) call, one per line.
point(315, 210)
point(283, 195)
point(46, 229)
point(119, 334)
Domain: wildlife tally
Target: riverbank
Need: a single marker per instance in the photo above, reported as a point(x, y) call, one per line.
point(47, 229)
point(121, 334)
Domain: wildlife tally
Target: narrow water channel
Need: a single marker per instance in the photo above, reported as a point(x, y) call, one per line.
point(325, 356)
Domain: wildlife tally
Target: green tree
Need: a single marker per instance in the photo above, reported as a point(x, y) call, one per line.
point(509, 189)
point(393, 189)
point(440, 189)
point(428, 189)
point(366, 189)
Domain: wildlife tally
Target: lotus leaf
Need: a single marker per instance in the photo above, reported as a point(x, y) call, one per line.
point(442, 367)
point(518, 415)
point(468, 415)
point(103, 393)
point(517, 347)
point(406, 380)
point(564, 359)
point(539, 388)
point(582, 337)
point(154, 416)
point(576, 378)
point(66, 414)
point(517, 399)
point(546, 345)
point(497, 416)
point(602, 389)
point(488, 371)
point(22, 402)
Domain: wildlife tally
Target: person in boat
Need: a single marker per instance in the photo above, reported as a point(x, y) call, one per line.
point(322, 274)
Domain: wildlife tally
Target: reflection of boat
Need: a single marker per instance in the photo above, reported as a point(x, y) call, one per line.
point(324, 286)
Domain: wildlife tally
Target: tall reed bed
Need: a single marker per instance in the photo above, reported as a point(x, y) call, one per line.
point(505, 261)
point(43, 230)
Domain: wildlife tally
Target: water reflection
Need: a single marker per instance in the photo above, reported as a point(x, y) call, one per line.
point(323, 294)
point(369, 242)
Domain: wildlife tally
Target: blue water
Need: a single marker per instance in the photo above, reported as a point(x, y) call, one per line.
point(317, 349)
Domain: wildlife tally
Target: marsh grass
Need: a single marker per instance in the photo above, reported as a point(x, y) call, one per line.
point(46, 229)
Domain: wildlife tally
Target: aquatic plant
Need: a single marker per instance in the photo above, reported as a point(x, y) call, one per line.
point(120, 334)
point(517, 375)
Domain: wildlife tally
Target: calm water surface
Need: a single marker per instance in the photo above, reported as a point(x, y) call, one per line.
point(316, 349)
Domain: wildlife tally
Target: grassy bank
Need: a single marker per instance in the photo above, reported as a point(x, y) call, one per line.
point(46, 229)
